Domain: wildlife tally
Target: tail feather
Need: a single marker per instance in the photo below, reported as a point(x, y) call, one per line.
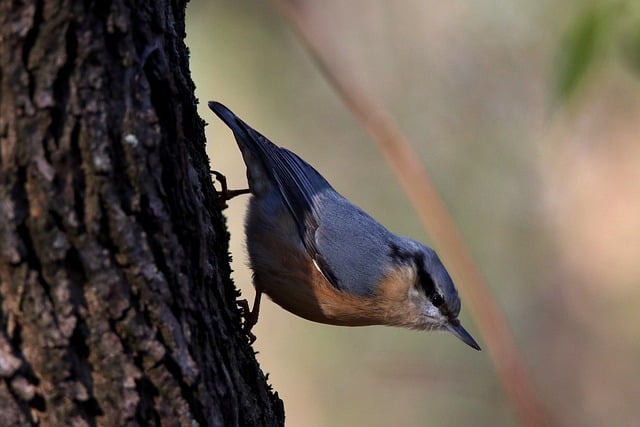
point(251, 146)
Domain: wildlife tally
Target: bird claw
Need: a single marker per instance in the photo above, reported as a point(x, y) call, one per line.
point(225, 194)
point(250, 318)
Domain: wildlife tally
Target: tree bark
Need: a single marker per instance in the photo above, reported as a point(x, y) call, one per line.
point(116, 303)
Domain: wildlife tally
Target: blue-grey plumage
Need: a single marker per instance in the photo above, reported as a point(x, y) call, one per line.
point(321, 257)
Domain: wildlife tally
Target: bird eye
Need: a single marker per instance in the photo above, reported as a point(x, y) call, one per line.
point(437, 300)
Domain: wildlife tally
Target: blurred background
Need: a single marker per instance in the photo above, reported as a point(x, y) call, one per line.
point(527, 114)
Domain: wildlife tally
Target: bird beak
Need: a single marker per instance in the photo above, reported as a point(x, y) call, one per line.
point(456, 329)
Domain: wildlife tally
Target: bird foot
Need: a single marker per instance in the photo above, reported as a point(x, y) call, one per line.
point(250, 316)
point(225, 194)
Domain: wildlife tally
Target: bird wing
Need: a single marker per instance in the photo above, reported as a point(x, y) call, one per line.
point(346, 244)
point(300, 185)
point(335, 233)
point(297, 181)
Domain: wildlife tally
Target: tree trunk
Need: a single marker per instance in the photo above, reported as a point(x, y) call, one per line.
point(116, 303)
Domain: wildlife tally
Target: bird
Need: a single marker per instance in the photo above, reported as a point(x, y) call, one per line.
point(320, 257)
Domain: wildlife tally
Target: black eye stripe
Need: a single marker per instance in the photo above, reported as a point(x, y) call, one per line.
point(425, 280)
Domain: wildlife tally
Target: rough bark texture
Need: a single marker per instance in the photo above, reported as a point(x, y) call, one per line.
point(116, 304)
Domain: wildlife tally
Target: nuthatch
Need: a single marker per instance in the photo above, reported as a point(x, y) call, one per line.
point(319, 256)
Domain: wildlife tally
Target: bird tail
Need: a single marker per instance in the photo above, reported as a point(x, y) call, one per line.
point(241, 130)
point(253, 147)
